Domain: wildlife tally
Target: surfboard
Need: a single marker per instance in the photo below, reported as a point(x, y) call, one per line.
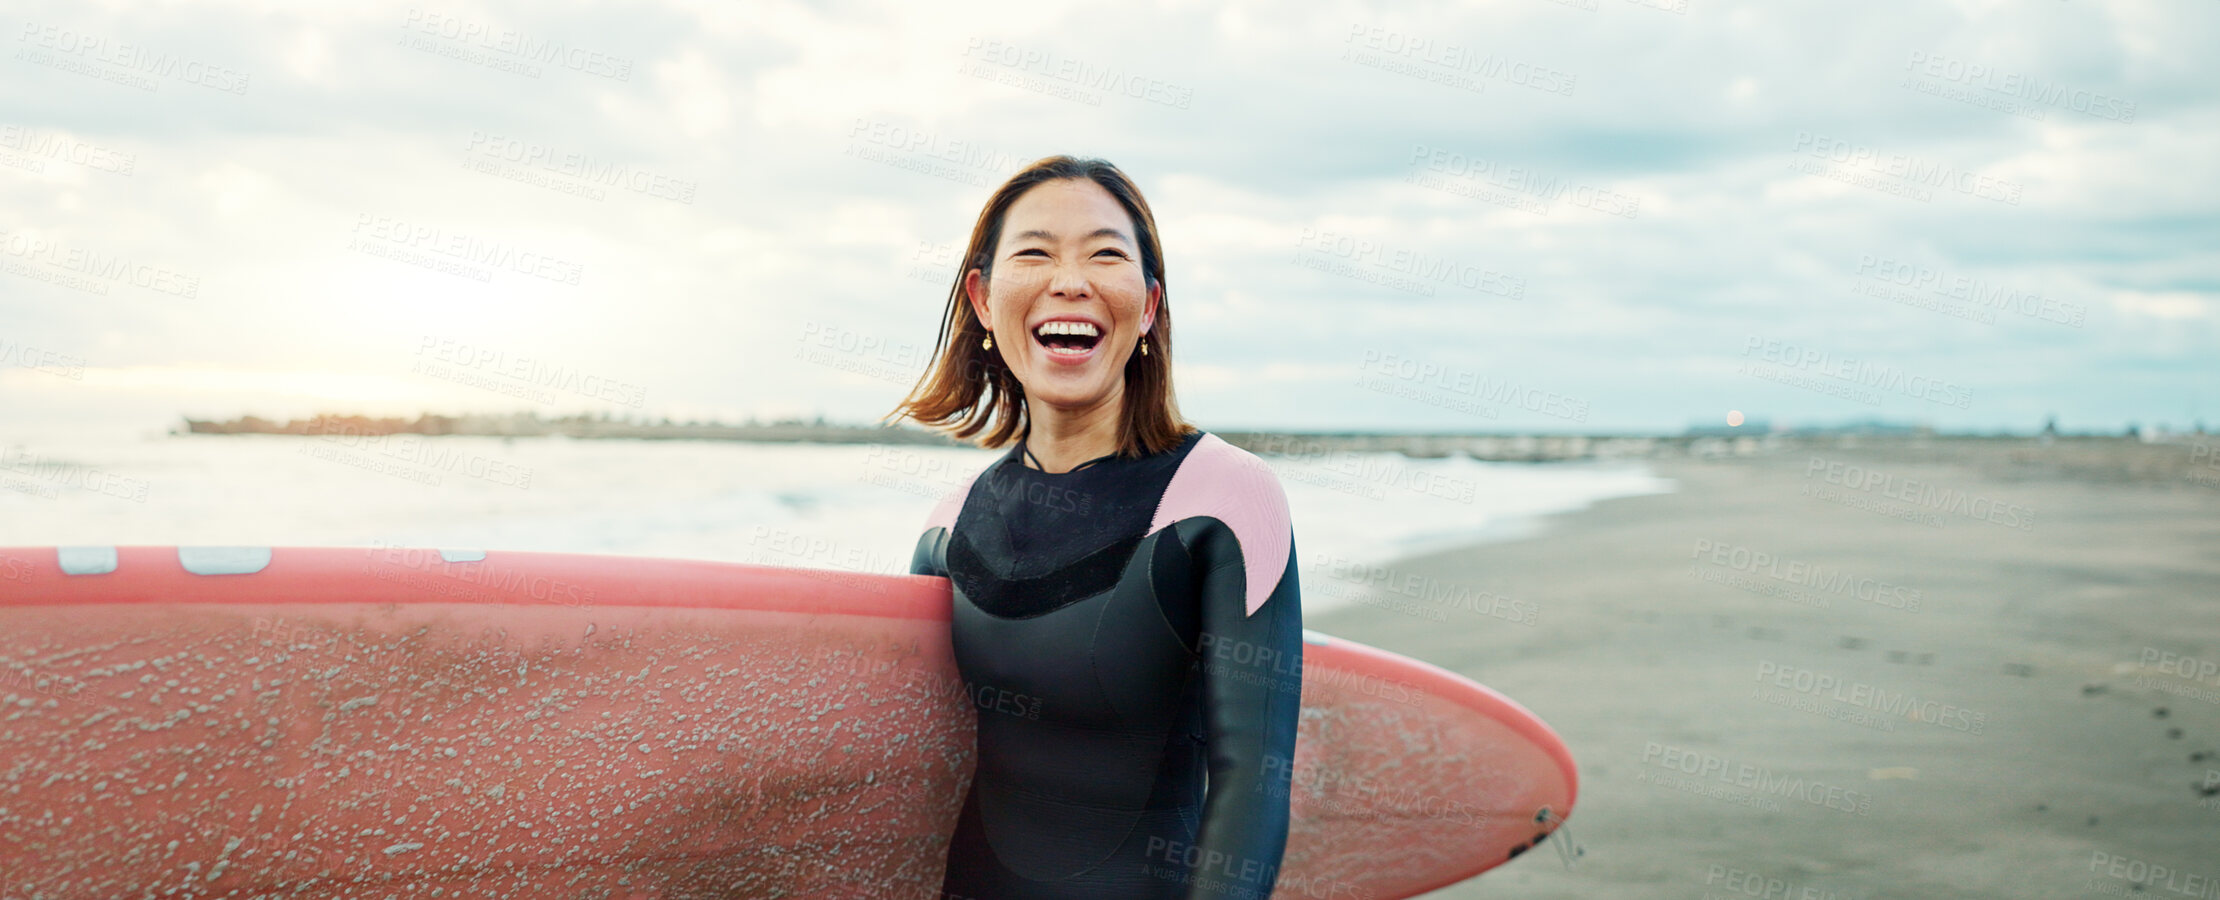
point(326, 722)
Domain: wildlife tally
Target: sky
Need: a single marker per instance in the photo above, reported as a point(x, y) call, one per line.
point(1600, 216)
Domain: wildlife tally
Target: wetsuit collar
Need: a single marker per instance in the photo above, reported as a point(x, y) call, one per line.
point(1026, 453)
point(1021, 453)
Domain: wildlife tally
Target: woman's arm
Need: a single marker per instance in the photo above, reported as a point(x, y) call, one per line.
point(1251, 666)
point(1231, 514)
point(931, 555)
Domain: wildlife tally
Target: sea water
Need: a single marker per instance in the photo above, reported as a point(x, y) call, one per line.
point(827, 506)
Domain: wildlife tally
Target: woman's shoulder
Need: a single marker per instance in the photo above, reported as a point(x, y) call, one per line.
point(1218, 479)
point(1235, 487)
point(1213, 460)
point(952, 503)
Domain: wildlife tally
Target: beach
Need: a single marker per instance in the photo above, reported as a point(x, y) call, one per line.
point(1792, 669)
point(1915, 667)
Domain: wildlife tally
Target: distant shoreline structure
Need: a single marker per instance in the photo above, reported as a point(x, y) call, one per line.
point(1752, 438)
point(527, 424)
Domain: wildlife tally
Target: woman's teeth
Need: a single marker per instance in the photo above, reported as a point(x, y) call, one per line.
point(1067, 338)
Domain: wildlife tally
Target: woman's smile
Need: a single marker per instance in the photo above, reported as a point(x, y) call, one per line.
point(1069, 340)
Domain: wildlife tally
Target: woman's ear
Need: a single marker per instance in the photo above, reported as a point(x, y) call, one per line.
point(1156, 296)
point(975, 291)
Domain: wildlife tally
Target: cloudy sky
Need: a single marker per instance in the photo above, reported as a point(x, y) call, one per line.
point(1557, 215)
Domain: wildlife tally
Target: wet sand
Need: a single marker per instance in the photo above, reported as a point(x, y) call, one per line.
point(1810, 673)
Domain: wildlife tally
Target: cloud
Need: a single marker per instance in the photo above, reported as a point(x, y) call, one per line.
point(1607, 199)
point(2171, 305)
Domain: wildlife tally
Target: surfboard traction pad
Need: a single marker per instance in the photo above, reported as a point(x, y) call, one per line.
point(325, 750)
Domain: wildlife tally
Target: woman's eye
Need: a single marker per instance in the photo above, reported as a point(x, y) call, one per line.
point(1113, 251)
point(1030, 250)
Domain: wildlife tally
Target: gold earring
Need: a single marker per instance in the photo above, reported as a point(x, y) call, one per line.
point(1144, 346)
point(986, 343)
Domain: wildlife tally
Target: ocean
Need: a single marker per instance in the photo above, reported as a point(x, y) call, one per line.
point(827, 506)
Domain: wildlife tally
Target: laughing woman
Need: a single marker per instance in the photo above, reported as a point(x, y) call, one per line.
point(1126, 609)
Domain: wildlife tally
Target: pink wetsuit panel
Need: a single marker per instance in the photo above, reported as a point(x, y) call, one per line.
point(1231, 485)
point(944, 514)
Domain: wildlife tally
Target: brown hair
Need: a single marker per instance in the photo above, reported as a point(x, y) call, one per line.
point(967, 390)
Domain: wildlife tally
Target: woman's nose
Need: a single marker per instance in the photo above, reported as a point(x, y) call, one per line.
point(1070, 282)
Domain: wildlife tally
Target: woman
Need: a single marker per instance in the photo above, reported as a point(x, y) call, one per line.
point(1126, 612)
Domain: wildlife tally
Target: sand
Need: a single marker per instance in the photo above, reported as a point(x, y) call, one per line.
point(2013, 696)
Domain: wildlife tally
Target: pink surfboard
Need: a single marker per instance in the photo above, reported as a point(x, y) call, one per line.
point(328, 722)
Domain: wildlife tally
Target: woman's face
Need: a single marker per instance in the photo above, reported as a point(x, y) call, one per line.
point(1068, 301)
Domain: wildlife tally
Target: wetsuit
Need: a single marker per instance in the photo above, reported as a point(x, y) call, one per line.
point(1128, 630)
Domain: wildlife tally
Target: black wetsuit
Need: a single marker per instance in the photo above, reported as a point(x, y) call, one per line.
point(1121, 647)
